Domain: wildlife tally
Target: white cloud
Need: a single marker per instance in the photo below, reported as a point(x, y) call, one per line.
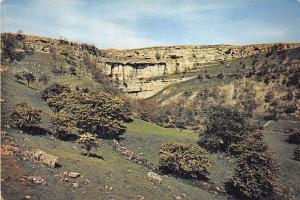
point(73, 24)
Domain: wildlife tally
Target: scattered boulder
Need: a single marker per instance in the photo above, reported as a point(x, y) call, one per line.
point(45, 158)
point(151, 176)
point(129, 155)
point(75, 185)
point(73, 174)
point(140, 197)
point(37, 180)
point(177, 197)
point(27, 197)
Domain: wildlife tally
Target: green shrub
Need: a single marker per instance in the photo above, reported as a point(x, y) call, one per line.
point(99, 113)
point(24, 117)
point(62, 125)
point(225, 126)
point(252, 143)
point(184, 159)
point(95, 112)
point(255, 177)
point(88, 142)
point(297, 153)
point(54, 90)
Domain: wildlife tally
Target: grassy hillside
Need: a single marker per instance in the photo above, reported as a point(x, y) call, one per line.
point(112, 177)
point(109, 175)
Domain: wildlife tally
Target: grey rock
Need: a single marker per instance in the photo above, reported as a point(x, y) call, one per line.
point(151, 176)
point(73, 174)
point(45, 158)
point(75, 185)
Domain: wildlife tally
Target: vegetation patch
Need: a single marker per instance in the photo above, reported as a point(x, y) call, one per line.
point(185, 160)
point(24, 117)
point(225, 126)
point(255, 177)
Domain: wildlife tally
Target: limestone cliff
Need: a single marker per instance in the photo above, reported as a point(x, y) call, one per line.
point(144, 72)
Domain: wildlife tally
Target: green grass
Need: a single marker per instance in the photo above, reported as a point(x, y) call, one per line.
point(144, 137)
point(192, 85)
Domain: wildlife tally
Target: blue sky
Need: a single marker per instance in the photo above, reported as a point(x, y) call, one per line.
point(142, 23)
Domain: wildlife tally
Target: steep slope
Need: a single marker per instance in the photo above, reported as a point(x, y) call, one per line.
point(142, 73)
point(107, 178)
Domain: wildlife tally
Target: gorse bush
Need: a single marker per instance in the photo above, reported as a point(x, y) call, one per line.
point(88, 142)
point(24, 117)
point(95, 112)
point(99, 113)
point(252, 143)
point(54, 90)
point(62, 125)
point(225, 126)
point(185, 160)
point(255, 177)
point(57, 103)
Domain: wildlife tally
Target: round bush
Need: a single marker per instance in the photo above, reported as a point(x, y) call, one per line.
point(61, 125)
point(256, 176)
point(54, 90)
point(225, 126)
point(186, 160)
point(24, 117)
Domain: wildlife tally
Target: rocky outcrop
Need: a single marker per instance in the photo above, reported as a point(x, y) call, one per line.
point(144, 72)
point(153, 177)
point(47, 159)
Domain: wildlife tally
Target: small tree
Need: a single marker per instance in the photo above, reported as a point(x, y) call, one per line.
point(225, 126)
point(88, 141)
point(54, 90)
point(29, 77)
point(62, 125)
point(23, 117)
point(184, 159)
point(98, 113)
